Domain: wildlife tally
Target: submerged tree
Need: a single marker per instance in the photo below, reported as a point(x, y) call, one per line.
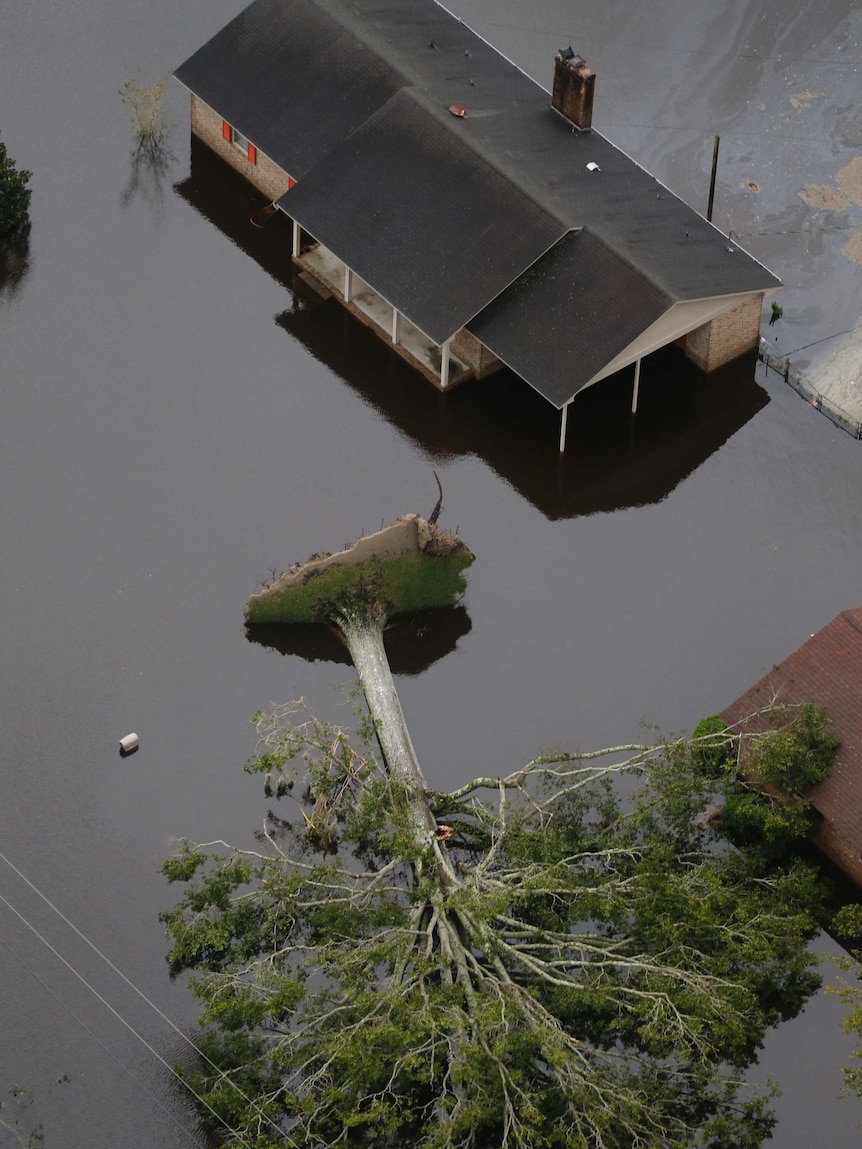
point(847, 925)
point(541, 959)
point(151, 158)
point(145, 103)
point(14, 199)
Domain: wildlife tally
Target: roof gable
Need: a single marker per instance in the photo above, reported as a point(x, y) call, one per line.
point(588, 303)
point(292, 79)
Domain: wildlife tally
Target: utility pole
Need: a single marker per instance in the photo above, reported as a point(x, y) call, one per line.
point(712, 178)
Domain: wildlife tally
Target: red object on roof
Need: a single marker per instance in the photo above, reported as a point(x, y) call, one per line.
point(458, 110)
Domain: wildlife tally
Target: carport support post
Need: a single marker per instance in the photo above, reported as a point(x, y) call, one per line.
point(444, 364)
point(564, 420)
point(348, 284)
point(297, 232)
point(395, 317)
point(637, 382)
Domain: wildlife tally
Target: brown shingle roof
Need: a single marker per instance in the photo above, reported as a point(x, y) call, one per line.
point(825, 670)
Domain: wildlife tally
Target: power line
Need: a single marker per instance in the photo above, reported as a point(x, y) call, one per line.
point(825, 339)
point(663, 46)
point(192, 1136)
point(727, 131)
point(167, 1020)
point(798, 230)
point(119, 1017)
point(78, 147)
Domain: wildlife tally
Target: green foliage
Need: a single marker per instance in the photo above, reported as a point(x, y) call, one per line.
point(714, 747)
point(796, 756)
point(847, 925)
point(579, 970)
point(765, 807)
point(404, 584)
point(752, 819)
point(17, 1119)
point(14, 198)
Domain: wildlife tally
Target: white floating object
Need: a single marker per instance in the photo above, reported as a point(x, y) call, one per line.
point(593, 167)
point(129, 743)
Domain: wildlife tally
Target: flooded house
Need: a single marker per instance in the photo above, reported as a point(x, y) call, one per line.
point(826, 670)
point(471, 218)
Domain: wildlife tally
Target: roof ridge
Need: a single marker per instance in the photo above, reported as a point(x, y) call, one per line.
point(569, 231)
point(481, 152)
point(853, 617)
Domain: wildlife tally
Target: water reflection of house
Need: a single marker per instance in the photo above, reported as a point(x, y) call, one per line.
point(826, 670)
point(470, 220)
point(612, 462)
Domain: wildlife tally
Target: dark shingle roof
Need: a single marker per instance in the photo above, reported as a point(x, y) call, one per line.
point(574, 311)
point(441, 261)
point(312, 81)
point(290, 78)
point(826, 670)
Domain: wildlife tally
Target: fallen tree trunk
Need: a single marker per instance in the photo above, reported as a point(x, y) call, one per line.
point(362, 629)
point(557, 966)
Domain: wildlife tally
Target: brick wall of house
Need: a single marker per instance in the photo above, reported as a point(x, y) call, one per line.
point(475, 354)
point(726, 336)
point(266, 176)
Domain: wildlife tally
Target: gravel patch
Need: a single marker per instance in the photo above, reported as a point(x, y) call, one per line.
point(839, 378)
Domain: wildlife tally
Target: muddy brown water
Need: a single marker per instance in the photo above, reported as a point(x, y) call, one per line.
point(177, 423)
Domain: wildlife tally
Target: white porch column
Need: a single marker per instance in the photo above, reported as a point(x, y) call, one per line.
point(444, 364)
point(297, 231)
point(395, 317)
point(564, 419)
point(348, 284)
point(637, 382)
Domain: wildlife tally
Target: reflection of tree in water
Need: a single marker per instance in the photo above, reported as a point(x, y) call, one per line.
point(148, 175)
point(152, 158)
point(14, 265)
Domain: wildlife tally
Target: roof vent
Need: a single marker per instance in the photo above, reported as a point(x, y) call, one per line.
point(574, 86)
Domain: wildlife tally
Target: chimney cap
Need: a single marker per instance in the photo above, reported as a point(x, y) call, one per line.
point(571, 57)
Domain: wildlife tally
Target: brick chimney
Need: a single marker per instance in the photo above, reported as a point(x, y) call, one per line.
point(574, 85)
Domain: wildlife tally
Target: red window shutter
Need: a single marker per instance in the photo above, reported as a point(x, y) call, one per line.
point(291, 182)
point(225, 130)
point(252, 154)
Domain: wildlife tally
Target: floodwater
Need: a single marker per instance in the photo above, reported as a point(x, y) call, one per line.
point(177, 423)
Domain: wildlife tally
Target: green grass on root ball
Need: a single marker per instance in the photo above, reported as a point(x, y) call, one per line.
point(406, 584)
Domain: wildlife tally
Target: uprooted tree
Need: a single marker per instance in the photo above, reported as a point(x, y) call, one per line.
point(572, 954)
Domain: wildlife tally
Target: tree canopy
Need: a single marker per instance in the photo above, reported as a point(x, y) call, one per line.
point(584, 953)
point(14, 198)
point(574, 954)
